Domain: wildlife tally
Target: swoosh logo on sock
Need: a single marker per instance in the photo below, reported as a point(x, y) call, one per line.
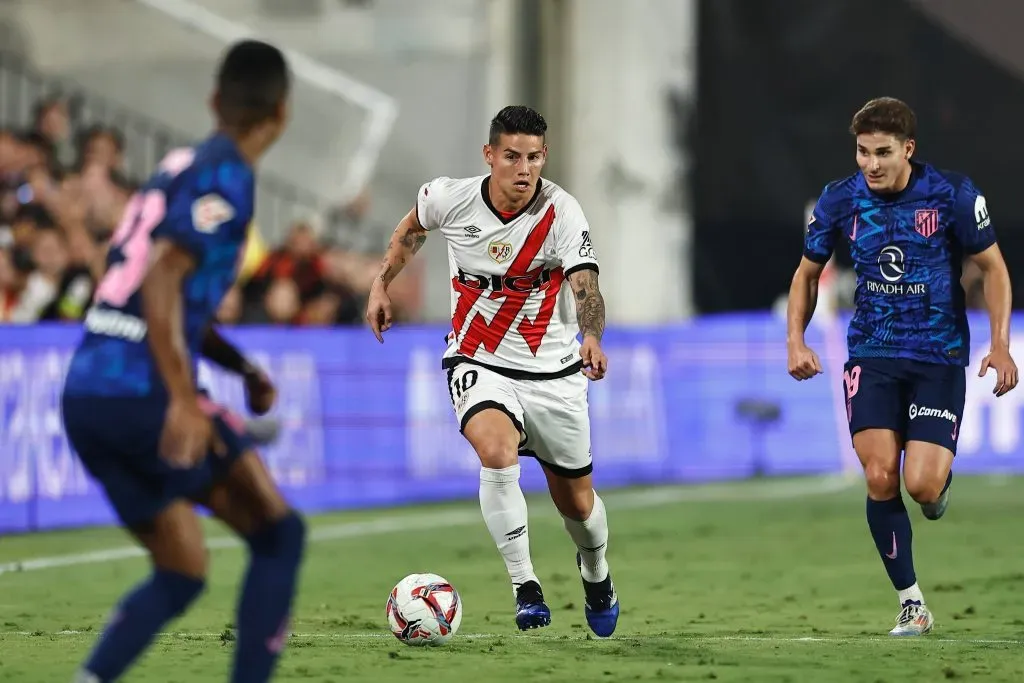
point(892, 555)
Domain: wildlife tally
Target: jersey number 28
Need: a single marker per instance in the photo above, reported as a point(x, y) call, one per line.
point(144, 212)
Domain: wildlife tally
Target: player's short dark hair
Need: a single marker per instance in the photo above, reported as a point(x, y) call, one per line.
point(517, 120)
point(885, 115)
point(252, 82)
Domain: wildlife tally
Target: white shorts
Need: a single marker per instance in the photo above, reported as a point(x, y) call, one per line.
point(552, 415)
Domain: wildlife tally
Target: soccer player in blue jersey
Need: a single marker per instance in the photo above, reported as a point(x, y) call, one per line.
point(909, 226)
point(131, 406)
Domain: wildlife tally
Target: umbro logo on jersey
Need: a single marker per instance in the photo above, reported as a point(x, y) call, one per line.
point(472, 231)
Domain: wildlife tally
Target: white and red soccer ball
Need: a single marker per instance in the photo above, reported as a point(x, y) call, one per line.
point(424, 609)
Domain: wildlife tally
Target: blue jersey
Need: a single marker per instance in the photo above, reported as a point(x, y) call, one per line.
point(202, 200)
point(907, 249)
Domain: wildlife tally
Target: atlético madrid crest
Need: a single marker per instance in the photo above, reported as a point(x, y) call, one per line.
point(499, 251)
point(926, 222)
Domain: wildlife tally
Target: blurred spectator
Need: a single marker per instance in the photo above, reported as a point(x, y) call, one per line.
point(290, 279)
point(52, 120)
point(101, 145)
point(63, 192)
point(15, 267)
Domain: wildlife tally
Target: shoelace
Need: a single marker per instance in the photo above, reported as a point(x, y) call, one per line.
point(908, 614)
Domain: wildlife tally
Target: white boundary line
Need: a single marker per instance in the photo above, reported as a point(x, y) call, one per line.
point(740, 491)
point(553, 637)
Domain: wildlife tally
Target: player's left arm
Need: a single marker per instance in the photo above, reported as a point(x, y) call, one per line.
point(579, 261)
point(258, 387)
point(976, 234)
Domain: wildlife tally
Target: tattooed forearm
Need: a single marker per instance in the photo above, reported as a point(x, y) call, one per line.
point(407, 239)
point(413, 240)
point(589, 303)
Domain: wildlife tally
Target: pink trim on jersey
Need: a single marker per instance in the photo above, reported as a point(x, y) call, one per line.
point(233, 420)
point(143, 213)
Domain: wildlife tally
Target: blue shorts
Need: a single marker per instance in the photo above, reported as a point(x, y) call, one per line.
point(919, 401)
point(117, 439)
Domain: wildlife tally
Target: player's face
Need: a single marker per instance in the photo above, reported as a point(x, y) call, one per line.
point(516, 162)
point(281, 119)
point(884, 160)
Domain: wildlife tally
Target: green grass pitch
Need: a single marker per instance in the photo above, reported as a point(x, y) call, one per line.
point(755, 581)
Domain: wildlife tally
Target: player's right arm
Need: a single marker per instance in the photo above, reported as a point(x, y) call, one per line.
point(196, 224)
point(188, 433)
point(407, 239)
point(164, 312)
point(819, 242)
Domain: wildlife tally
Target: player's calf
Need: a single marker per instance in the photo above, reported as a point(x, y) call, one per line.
point(175, 542)
point(888, 521)
point(250, 503)
point(275, 555)
point(927, 475)
point(495, 438)
point(585, 518)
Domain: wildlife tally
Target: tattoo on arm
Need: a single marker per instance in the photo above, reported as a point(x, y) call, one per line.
point(405, 242)
point(413, 239)
point(590, 312)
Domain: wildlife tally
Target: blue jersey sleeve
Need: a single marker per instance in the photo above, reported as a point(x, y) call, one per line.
point(972, 225)
point(820, 235)
point(211, 208)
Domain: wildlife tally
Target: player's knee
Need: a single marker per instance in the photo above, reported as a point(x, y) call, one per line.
point(924, 489)
point(577, 506)
point(283, 538)
point(497, 454)
point(574, 498)
point(179, 590)
point(882, 478)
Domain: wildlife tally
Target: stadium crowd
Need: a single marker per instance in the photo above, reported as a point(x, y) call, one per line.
point(63, 191)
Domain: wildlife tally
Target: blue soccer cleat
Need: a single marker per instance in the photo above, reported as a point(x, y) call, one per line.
point(602, 604)
point(531, 610)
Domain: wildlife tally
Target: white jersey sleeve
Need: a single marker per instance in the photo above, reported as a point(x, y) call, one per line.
point(573, 245)
point(434, 202)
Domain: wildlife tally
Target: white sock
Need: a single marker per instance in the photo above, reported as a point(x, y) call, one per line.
point(504, 508)
point(591, 539)
point(912, 593)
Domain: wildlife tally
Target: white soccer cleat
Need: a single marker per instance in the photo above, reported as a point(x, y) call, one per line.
point(914, 620)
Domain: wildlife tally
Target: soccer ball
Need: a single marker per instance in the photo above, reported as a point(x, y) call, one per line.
point(424, 609)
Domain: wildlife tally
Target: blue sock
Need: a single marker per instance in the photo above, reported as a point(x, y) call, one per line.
point(890, 527)
point(263, 611)
point(949, 480)
point(139, 617)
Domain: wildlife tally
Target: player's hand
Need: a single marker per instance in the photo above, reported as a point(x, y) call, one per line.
point(999, 359)
point(260, 392)
point(803, 362)
point(378, 311)
point(595, 363)
point(188, 434)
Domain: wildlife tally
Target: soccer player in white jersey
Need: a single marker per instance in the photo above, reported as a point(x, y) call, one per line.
point(517, 373)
